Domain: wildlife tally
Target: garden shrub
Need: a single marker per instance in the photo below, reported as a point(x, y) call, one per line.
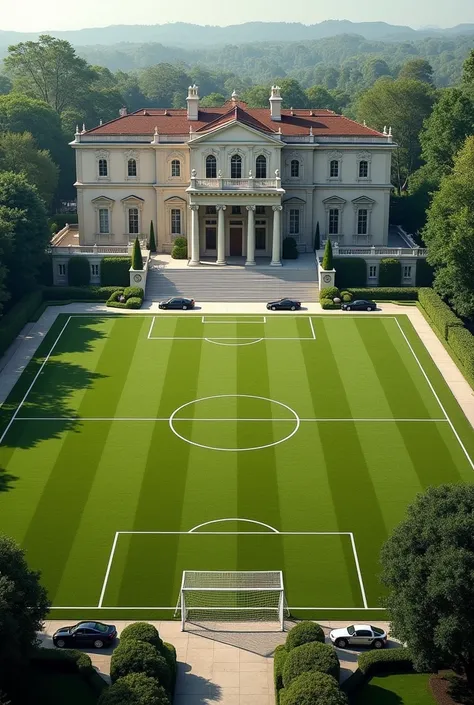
point(329, 292)
point(289, 248)
point(327, 262)
point(181, 242)
point(137, 259)
point(461, 342)
point(152, 240)
point(135, 656)
point(424, 273)
point(114, 271)
point(78, 271)
point(440, 314)
point(17, 317)
point(179, 252)
point(313, 689)
point(78, 293)
point(133, 302)
point(395, 293)
point(329, 305)
point(396, 660)
point(304, 633)
point(169, 654)
point(311, 657)
point(279, 658)
point(390, 272)
point(135, 689)
point(142, 631)
point(346, 296)
point(68, 661)
point(133, 291)
point(350, 271)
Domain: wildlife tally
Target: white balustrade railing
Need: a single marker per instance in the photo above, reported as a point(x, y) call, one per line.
point(90, 250)
point(222, 184)
point(420, 252)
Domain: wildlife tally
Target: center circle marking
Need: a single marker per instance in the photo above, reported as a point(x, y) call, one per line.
point(295, 419)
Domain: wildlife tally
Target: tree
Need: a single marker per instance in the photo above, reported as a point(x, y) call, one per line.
point(292, 93)
point(317, 238)
point(374, 69)
point(417, 70)
point(5, 240)
point(49, 70)
point(327, 257)
point(152, 241)
point(137, 259)
point(468, 69)
point(24, 249)
point(449, 233)
point(257, 97)
point(404, 105)
point(134, 689)
point(213, 100)
point(428, 567)
point(5, 84)
point(320, 97)
point(18, 153)
point(23, 607)
point(160, 83)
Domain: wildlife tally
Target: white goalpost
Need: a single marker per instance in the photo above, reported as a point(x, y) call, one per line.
point(233, 596)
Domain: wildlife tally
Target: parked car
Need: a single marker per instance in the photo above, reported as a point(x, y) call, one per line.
point(95, 634)
point(359, 305)
point(284, 305)
point(359, 635)
point(177, 302)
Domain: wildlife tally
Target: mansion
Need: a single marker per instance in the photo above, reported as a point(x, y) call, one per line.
point(235, 181)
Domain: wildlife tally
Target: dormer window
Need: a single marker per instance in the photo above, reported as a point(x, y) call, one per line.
point(236, 166)
point(261, 167)
point(175, 167)
point(211, 167)
point(132, 167)
point(103, 167)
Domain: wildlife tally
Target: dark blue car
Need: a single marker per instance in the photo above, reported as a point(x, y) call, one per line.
point(92, 634)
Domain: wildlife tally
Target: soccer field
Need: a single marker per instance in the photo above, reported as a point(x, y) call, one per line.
point(135, 447)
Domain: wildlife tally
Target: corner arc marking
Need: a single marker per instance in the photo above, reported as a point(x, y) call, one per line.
point(219, 521)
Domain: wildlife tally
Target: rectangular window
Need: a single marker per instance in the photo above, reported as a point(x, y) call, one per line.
point(259, 210)
point(95, 270)
point(334, 221)
point(236, 210)
point(334, 169)
point(362, 221)
point(62, 270)
point(103, 167)
point(373, 271)
point(104, 228)
point(175, 221)
point(260, 238)
point(133, 228)
point(363, 169)
point(407, 271)
point(210, 238)
point(294, 221)
point(295, 169)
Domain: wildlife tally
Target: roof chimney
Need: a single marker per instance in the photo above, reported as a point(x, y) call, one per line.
point(123, 111)
point(193, 102)
point(275, 103)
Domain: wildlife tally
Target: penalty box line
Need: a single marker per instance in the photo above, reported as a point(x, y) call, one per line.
point(233, 533)
point(150, 335)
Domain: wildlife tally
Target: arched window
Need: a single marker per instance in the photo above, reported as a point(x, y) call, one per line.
point(132, 167)
point(363, 169)
point(133, 228)
point(236, 166)
point(261, 167)
point(334, 169)
point(103, 167)
point(175, 167)
point(211, 167)
point(295, 169)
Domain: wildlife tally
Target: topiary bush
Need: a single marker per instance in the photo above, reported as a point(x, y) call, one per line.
point(135, 689)
point(134, 656)
point(137, 259)
point(304, 633)
point(152, 241)
point(134, 291)
point(329, 305)
point(386, 661)
point(180, 248)
point(346, 296)
point(350, 271)
point(133, 302)
point(313, 689)
point(329, 292)
point(390, 272)
point(114, 271)
point(169, 654)
point(311, 657)
point(327, 262)
point(78, 271)
point(289, 248)
point(279, 659)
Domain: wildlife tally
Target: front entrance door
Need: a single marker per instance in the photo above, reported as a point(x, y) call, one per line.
point(236, 242)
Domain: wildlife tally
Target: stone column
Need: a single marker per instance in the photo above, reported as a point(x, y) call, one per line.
point(194, 261)
point(276, 245)
point(220, 235)
point(250, 236)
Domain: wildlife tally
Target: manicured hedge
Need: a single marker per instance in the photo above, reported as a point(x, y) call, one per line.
point(169, 654)
point(329, 292)
point(396, 660)
point(142, 631)
point(393, 293)
point(313, 689)
point(350, 271)
point(461, 341)
point(289, 248)
point(135, 689)
point(440, 314)
point(180, 248)
point(304, 633)
point(311, 657)
point(424, 273)
point(131, 300)
point(114, 271)
point(17, 317)
point(78, 271)
point(390, 272)
point(78, 293)
point(137, 292)
point(328, 304)
point(279, 659)
point(134, 656)
point(68, 661)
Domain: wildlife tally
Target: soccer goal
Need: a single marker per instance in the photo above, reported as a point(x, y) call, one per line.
point(221, 597)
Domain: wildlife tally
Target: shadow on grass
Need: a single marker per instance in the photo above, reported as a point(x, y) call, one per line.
point(373, 694)
point(6, 480)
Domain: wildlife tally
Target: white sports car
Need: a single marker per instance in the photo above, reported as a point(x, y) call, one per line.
point(359, 635)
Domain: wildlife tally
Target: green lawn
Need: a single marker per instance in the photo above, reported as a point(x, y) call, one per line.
point(399, 689)
point(310, 434)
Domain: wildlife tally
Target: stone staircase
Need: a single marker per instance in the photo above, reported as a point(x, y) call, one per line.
point(211, 283)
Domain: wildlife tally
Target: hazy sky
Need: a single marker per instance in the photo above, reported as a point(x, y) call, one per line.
point(32, 15)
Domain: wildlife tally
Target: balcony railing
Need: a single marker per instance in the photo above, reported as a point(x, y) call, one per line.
point(222, 184)
point(367, 251)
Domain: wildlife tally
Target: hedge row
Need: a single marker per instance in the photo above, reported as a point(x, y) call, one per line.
point(78, 293)
point(390, 272)
point(440, 314)
point(350, 271)
point(17, 317)
point(373, 663)
point(68, 661)
point(461, 342)
point(78, 271)
point(130, 297)
point(114, 271)
point(388, 293)
point(328, 304)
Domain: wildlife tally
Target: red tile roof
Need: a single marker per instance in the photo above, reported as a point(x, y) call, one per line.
point(293, 122)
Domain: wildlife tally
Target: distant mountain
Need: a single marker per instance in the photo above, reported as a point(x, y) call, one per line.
point(182, 34)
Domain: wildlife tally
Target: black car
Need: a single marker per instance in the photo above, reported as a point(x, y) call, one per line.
point(284, 305)
point(359, 305)
point(83, 634)
point(177, 302)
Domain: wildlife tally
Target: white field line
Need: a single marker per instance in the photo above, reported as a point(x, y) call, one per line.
point(175, 420)
point(151, 328)
point(312, 328)
point(359, 574)
point(470, 461)
point(216, 320)
point(33, 382)
point(238, 533)
point(107, 572)
point(94, 607)
point(220, 337)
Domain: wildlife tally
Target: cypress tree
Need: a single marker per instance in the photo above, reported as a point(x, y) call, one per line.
point(137, 259)
point(317, 238)
point(152, 242)
point(327, 257)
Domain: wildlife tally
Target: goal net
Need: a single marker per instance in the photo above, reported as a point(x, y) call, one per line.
point(218, 597)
